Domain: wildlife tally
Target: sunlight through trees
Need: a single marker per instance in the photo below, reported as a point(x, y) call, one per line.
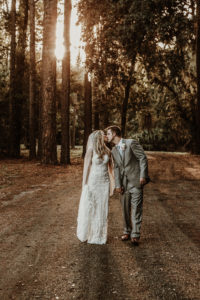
point(141, 60)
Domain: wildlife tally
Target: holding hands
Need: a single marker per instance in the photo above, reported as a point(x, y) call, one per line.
point(121, 189)
point(143, 181)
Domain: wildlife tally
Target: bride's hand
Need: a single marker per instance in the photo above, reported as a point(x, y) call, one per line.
point(142, 181)
point(120, 190)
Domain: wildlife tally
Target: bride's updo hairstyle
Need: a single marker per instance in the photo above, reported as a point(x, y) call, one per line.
point(98, 143)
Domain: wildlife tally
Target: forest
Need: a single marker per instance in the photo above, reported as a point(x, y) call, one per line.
point(68, 68)
point(140, 70)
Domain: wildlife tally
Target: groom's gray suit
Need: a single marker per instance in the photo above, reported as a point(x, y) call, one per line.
point(130, 164)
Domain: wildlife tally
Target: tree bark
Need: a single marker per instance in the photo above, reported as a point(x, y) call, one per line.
point(73, 129)
point(105, 110)
point(87, 112)
point(96, 116)
point(49, 149)
point(125, 101)
point(73, 119)
point(95, 98)
point(39, 107)
point(32, 100)
point(12, 99)
point(21, 84)
point(65, 102)
point(197, 116)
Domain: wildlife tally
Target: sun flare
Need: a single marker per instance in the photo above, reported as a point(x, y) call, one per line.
point(60, 49)
point(75, 37)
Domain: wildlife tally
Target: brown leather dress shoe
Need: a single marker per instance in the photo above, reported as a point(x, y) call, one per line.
point(125, 237)
point(135, 241)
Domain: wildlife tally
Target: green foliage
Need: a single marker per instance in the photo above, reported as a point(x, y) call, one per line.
point(157, 38)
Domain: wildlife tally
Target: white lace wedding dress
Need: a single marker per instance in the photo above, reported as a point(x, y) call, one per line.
point(93, 207)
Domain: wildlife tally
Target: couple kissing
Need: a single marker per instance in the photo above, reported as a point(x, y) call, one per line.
point(123, 168)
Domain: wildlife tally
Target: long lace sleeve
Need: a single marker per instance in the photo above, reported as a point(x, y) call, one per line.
point(87, 165)
point(111, 175)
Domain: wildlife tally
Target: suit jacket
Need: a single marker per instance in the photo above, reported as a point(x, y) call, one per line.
point(132, 166)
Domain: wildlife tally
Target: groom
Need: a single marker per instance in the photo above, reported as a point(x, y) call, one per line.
point(131, 174)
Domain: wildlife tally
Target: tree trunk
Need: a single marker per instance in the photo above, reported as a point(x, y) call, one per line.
point(87, 112)
point(197, 116)
point(125, 102)
point(21, 84)
point(73, 129)
point(12, 101)
point(39, 108)
point(105, 111)
point(49, 151)
point(95, 97)
point(65, 102)
point(129, 84)
point(32, 100)
point(96, 116)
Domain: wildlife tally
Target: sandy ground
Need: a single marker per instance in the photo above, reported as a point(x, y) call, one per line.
point(41, 258)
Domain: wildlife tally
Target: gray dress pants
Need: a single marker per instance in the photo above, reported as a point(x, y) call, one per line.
point(132, 204)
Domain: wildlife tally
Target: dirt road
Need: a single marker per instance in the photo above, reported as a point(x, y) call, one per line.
point(41, 258)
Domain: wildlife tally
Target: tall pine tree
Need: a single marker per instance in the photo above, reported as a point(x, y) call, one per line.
point(13, 147)
point(197, 117)
point(32, 79)
point(49, 150)
point(65, 102)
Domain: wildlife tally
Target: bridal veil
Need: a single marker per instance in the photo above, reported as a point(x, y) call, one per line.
point(88, 162)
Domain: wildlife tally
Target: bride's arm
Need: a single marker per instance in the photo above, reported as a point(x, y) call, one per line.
point(87, 165)
point(111, 175)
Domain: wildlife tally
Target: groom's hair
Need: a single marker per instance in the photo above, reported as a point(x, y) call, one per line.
point(115, 129)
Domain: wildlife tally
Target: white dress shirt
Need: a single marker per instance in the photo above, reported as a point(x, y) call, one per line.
point(120, 152)
point(119, 147)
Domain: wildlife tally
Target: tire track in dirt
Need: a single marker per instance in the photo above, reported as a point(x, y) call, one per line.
point(101, 278)
point(183, 208)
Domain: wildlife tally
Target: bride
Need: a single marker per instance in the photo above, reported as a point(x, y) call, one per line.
point(97, 185)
